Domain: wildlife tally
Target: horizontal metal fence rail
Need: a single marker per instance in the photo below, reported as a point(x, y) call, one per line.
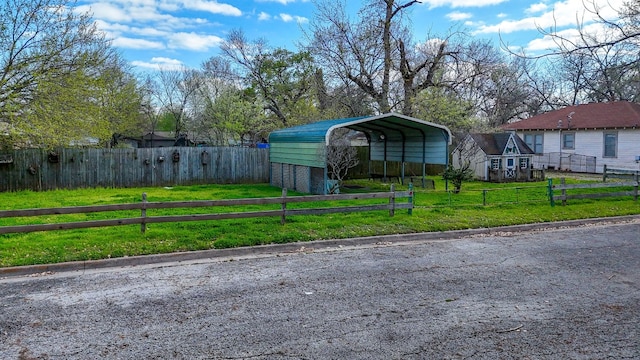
point(562, 187)
point(143, 206)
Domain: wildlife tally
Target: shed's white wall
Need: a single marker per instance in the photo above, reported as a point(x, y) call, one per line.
point(477, 158)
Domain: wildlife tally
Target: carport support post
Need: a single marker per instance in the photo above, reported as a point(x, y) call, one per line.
point(384, 170)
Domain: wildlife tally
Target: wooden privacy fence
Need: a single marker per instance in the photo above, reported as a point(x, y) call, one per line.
point(38, 170)
point(562, 187)
point(144, 206)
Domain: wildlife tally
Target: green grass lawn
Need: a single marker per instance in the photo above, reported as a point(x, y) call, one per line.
point(479, 204)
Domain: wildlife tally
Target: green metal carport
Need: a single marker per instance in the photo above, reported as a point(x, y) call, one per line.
point(297, 153)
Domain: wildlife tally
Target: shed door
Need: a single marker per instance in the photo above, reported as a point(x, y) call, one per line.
point(510, 168)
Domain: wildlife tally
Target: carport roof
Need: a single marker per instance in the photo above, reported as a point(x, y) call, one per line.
point(321, 131)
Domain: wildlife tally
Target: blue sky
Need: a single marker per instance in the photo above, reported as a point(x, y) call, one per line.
point(175, 33)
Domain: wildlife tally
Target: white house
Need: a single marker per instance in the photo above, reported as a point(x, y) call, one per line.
point(598, 133)
point(494, 157)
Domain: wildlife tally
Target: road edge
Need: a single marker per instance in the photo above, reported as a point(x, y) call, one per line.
point(272, 249)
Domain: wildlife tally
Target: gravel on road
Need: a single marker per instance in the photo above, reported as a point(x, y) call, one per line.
point(570, 293)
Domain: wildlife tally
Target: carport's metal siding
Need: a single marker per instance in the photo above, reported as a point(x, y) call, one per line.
point(435, 147)
point(298, 153)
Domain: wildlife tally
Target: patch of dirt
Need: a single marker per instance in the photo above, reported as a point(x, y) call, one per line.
point(573, 175)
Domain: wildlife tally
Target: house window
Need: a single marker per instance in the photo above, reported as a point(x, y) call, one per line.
point(524, 163)
point(610, 145)
point(534, 141)
point(568, 140)
point(495, 164)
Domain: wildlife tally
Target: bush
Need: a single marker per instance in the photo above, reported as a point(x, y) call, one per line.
point(457, 176)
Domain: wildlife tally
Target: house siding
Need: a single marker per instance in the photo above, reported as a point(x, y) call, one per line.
point(591, 143)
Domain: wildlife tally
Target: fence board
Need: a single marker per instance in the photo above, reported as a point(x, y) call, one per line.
point(563, 187)
point(144, 206)
point(31, 169)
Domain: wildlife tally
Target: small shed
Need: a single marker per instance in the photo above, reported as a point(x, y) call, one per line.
point(495, 157)
point(298, 159)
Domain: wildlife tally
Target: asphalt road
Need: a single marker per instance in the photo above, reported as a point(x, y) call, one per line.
point(569, 293)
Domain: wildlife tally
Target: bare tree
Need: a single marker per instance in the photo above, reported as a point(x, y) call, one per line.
point(174, 91)
point(376, 52)
point(340, 156)
point(597, 66)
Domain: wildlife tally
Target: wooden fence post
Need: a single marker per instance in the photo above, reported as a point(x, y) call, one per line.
point(410, 211)
point(392, 200)
point(604, 173)
point(143, 213)
point(550, 190)
point(284, 206)
point(636, 177)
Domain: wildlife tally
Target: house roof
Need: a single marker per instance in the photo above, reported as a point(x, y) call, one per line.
point(159, 135)
point(494, 144)
point(386, 123)
point(613, 115)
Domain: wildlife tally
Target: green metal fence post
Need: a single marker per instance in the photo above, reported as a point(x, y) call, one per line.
point(550, 191)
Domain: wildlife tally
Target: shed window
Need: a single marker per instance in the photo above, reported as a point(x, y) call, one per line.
point(524, 163)
point(495, 164)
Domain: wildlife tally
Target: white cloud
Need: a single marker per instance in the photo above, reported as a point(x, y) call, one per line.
point(288, 18)
point(283, 2)
point(458, 16)
point(105, 11)
point(193, 42)
point(461, 3)
point(562, 14)
point(536, 8)
point(213, 7)
point(264, 16)
point(131, 43)
point(159, 63)
point(508, 26)
point(572, 37)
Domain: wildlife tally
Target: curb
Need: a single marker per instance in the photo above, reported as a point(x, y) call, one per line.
point(274, 249)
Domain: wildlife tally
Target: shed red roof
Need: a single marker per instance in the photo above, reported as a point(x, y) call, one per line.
point(620, 114)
